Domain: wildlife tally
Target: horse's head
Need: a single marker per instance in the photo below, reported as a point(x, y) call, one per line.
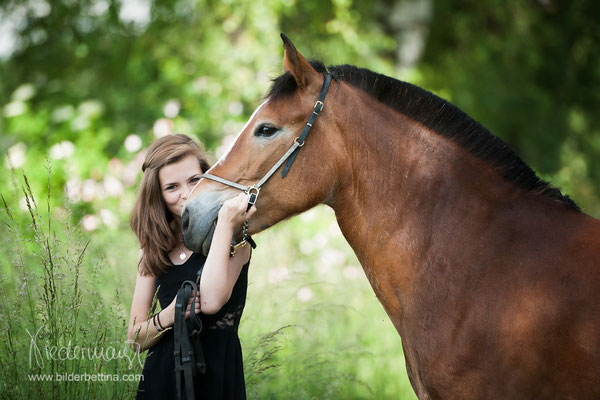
point(268, 135)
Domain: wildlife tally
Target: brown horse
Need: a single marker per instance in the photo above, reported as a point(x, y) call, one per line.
point(490, 275)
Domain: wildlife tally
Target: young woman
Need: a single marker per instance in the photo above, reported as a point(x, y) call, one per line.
point(173, 166)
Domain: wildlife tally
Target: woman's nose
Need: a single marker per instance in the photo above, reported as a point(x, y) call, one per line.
point(187, 191)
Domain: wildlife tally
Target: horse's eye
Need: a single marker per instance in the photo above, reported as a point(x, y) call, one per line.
point(265, 130)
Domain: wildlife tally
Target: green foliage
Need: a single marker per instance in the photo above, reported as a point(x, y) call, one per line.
point(84, 76)
point(57, 324)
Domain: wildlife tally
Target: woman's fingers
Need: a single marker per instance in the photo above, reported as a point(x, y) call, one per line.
point(240, 203)
point(236, 210)
point(243, 198)
point(196, 310)
point(196, 305)
point(250, 212)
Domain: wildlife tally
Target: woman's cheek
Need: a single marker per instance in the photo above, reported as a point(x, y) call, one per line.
point(170, 199)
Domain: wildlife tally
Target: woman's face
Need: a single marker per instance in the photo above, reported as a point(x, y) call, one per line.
point(176, 182)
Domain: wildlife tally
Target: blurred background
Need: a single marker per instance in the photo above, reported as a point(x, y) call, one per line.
point(87, 85)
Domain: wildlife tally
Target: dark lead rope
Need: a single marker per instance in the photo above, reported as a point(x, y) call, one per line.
point(189, 357)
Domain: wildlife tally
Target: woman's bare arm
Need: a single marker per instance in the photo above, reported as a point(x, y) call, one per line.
point(142, 334)
point(220, 270)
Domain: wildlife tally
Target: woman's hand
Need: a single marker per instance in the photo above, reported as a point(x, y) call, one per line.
point(233, 212)
point(167, 316)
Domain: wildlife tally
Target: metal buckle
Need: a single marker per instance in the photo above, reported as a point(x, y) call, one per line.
point(234, 248)
point(317, 103)
point(298, 143)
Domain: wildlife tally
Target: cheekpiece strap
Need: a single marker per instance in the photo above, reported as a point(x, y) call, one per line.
point(316, 110)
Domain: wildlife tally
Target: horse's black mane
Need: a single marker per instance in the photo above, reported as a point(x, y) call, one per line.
point(438, 115)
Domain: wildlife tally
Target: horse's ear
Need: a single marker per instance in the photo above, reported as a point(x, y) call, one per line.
point(299, 67)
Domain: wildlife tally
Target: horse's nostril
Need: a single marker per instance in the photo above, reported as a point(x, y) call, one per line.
point(185, 220)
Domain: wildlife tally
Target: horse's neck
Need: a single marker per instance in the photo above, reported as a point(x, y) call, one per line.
point(413, 196)
point(403, 180)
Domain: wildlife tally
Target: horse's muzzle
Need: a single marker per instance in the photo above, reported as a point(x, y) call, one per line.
point(198, 221)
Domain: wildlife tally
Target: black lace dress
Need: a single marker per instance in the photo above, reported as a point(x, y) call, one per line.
point(224, 377)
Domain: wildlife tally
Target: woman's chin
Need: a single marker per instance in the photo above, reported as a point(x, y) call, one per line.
point(176, 213)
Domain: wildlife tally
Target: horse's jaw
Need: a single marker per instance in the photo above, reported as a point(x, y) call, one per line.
point(198, 220)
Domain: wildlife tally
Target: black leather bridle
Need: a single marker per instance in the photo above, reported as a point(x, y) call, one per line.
point(289, 156)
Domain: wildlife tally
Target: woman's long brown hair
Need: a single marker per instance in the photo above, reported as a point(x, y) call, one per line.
point(154, 225)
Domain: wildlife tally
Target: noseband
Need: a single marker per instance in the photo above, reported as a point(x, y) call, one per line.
point(290, 155)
